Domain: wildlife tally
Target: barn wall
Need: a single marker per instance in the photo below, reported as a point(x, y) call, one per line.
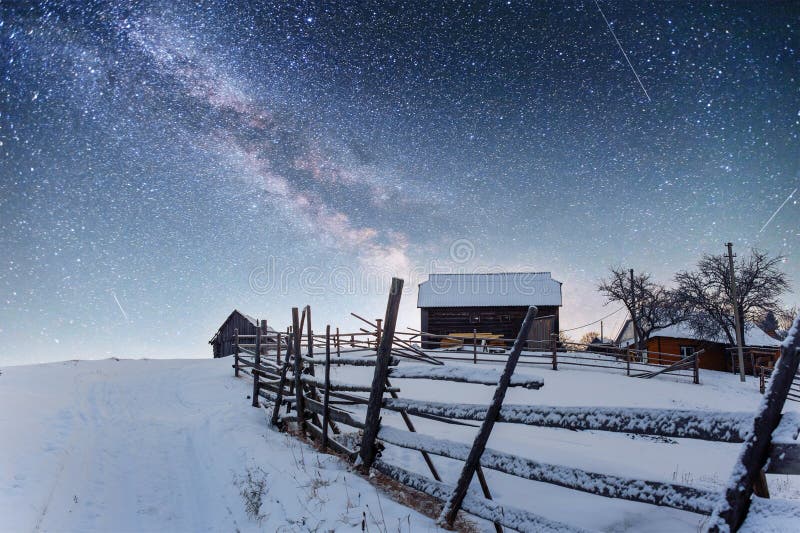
point(226, 344)
point(712, 359)
point(499, 320)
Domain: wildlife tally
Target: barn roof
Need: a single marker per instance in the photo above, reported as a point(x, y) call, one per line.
point(489, 289)
point(247, 317)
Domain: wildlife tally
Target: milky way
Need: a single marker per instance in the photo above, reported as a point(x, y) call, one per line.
point(165, 162)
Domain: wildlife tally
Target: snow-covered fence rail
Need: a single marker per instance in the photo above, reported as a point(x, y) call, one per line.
point(653, 492)
point(504, 515)
point(704, 425)
point(462, 374)
point(764, 372)
point(748, 472)
point(553, 353)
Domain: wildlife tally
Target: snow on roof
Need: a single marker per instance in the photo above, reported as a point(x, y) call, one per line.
point(489, 289)
point(753, 335)
point(253, 321)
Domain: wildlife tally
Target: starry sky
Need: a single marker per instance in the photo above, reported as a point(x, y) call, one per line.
point(163, 162)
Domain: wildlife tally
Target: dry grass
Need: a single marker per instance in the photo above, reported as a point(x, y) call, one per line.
point(419, 501)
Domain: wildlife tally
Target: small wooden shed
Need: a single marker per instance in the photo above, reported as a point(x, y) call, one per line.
point(222, 343)
point(493, 303)
point(681, 340)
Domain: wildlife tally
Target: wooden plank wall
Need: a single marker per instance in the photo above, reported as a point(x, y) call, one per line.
point(226, 333)
point(500, 320)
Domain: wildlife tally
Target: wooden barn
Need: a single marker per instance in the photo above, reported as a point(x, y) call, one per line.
point(492, 303)
point(680, 340)
point(222, 343)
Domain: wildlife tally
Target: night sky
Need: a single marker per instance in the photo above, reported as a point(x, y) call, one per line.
point(164, 162)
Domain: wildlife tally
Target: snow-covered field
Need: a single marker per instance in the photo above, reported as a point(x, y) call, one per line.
point(167, 445)
point(690, 462)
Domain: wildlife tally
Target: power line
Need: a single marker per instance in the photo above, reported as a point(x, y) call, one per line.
point(596, 321)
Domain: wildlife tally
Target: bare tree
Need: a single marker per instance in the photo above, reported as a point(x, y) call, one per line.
point(589, 336)
point(786, 318)
point(652, 305)
point(566, 341)
point(706, 292)
point(769, 323)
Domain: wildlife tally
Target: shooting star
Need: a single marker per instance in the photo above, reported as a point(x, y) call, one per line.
point(777, 211)
point(622, 50)
point(119, 305)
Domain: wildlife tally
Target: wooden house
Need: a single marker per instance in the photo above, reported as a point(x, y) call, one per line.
point(681, 340)
point(222, 342)
point(490, 303)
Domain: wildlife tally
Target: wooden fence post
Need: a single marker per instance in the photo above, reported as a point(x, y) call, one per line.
point(326, 398)
point(257, 363)
point(338, 344)
point(628, 363)
point(486, 493)
point(309, 333)
point(474, 346)
point(479, 445)
point(373, 417)
point(297, 353)
point(279, 395)
point(378, 332)
point(235, 352)
point(732, 510)
point(696, 368)
point(554, 342)
point(278, 348)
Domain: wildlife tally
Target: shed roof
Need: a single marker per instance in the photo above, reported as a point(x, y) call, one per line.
point(247, 317)
point(753, 335)
point(489, 289)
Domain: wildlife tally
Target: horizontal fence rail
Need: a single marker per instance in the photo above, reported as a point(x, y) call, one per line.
point(704, 425)
point(653, 492)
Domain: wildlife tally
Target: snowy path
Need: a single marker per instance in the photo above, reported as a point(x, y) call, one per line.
point(160, 446)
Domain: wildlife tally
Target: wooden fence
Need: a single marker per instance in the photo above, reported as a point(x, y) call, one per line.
point(634, 363)
point(319, 408)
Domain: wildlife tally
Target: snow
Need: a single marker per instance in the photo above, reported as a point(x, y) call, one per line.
point(471, 374)
point(788, 428)
point(489, 289)
point(165, 445)
point(772, 516)
point(704, 465)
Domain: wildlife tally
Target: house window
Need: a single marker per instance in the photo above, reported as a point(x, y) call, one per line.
point(505, 318)
point(686, 351)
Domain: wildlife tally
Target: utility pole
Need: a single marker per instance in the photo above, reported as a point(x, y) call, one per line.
point(737, 319)
point(633, 313)
point(601, 332)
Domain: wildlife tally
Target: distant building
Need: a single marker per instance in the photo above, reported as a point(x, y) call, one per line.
point(681, 340)
point(492, 303)
point(222, 343)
